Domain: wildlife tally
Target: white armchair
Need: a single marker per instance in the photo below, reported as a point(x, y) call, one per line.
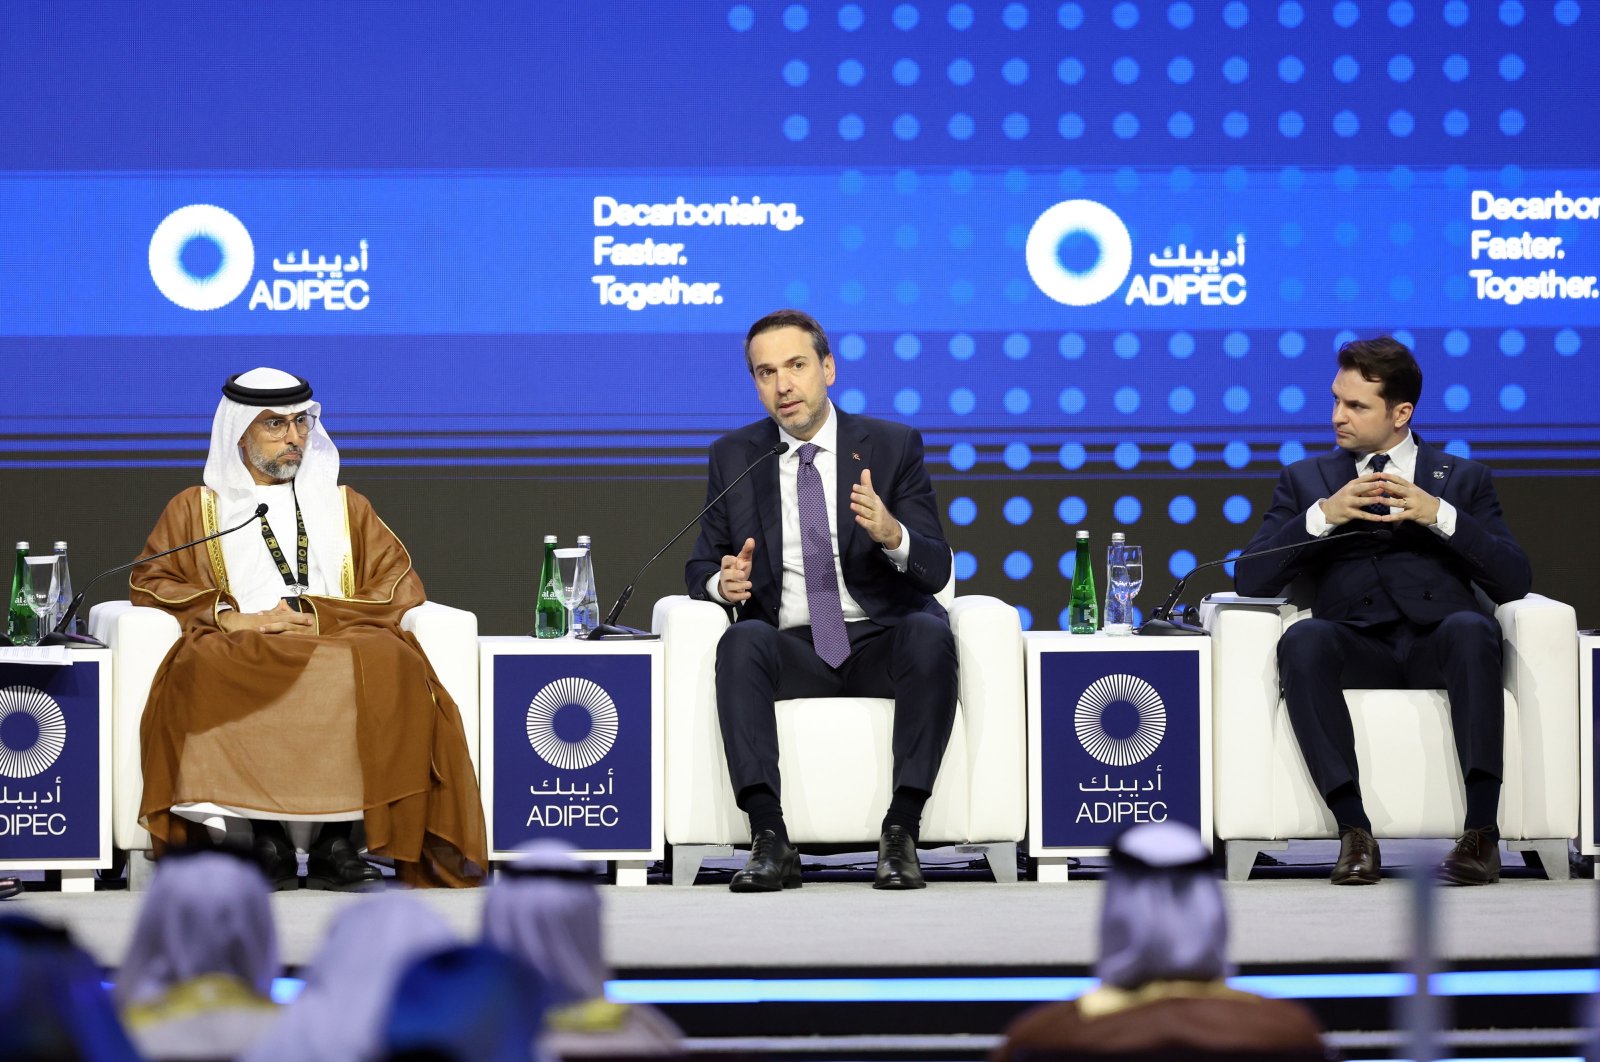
point(836, 759)
point(140, 638)
point(1410, 775)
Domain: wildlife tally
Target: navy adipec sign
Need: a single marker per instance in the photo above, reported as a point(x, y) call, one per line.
point(49, 762)
point(572, 747)
point(1121, 743)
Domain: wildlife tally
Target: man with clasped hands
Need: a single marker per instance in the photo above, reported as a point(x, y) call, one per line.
point(1391, 612)
point(829, 556)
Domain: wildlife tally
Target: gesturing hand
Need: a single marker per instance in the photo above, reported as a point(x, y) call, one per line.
point(734, 582)
point(872, 514)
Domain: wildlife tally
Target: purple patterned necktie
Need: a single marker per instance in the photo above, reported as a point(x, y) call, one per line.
point(1377, 464)
point(828, 635)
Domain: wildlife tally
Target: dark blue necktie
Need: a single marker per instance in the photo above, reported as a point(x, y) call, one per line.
point(1378, 463)
point(828, 635)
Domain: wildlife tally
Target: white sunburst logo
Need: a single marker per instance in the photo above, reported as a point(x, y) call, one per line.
point(226, 237)
point(41, 748)
point(572, 692)
point(1089, 720)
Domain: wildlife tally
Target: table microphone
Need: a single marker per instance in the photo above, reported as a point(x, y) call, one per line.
point(1161, 621)
point(609, 629)
point(61, 635)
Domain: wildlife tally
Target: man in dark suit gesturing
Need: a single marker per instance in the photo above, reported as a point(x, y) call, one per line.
point(1391, 612)
point(830, 555)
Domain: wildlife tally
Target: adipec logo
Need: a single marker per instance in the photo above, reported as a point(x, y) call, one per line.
point(1079, 252)
point(572, 704)
point(33, 731)
point(1143, 722)
point(201, 257)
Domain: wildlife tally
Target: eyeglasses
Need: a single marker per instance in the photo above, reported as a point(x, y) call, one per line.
point(278, 427)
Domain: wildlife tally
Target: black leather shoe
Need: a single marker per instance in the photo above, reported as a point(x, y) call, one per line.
point(1359, 861)
point(275, 856)
point(898, 867)
point(1475, 860)
point(770, 868)
point(336, 866)
point(9, 887)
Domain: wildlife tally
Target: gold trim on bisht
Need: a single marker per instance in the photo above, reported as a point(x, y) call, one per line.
point(210, 522)
point(347, 567)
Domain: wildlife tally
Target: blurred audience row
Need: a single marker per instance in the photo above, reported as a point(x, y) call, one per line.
point(391, 981)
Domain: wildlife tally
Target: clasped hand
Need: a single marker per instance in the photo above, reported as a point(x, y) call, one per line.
point(280, 619)
point(1406, 500)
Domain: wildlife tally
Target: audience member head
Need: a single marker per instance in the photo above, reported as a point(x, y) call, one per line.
point(53, 1005)
point(206, 913)
point(472, 1003)
point(1163, 919)
point(340, 1013)
point(544, 909)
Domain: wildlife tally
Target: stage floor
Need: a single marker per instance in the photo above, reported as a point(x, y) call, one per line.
point(1286, 917)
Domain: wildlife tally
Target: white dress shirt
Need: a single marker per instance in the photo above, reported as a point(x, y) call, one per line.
point(794, 610)
point(1402, 463)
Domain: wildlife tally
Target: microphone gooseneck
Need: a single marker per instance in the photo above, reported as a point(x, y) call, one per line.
point(1161, 621)
point(609, 628)
point(61, 636)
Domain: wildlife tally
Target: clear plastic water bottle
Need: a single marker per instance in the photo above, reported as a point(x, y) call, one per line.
point(586, 616)
point(1116, 618)
point(64, 596)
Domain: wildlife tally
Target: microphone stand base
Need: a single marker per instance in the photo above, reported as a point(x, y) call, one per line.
point(69, 639)
point(616, 632)
point(1169, 628)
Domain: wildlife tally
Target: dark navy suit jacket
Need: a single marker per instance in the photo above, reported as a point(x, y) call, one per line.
point(1416, 574)
point(753, 510)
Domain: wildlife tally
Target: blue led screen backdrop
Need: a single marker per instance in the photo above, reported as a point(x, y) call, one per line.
point(1100, 253)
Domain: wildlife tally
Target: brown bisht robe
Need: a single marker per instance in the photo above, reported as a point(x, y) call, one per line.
point(352, 718)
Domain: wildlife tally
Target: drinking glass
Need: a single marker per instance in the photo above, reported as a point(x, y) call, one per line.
point(570, 564)
point(44, 586)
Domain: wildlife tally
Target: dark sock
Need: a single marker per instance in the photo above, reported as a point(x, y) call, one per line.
point(1348, 811)
point(1483, 802)
point(333, 831)
point(761, 804)
point(905, 809)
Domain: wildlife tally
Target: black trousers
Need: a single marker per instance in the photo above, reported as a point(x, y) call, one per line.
point(914, 662)
point(1319, 659)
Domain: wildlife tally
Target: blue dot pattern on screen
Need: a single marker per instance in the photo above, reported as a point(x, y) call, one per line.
point(1113, 400)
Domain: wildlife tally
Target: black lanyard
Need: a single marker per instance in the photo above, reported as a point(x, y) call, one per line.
point(302, 545)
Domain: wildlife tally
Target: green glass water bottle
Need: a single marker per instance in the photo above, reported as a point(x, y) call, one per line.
point(550, 614)
point(1083, 610)
point(20, 620)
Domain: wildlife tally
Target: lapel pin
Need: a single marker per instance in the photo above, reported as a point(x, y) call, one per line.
point(855, 455)
point(1438, 473)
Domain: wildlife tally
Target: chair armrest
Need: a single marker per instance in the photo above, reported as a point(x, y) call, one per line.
point(1541, 671)
point(696, 771)
point(140, 639)
point(994, 710)
point(449, 639)
point(1244, 708)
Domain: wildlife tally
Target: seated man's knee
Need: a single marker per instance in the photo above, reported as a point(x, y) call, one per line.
point(744, 642)
point(1470, 632)
point(927, 633)
point(1307, 644)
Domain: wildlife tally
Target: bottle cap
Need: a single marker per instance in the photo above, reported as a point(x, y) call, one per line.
point(1118, 536)
point(1083, 535)
point(583, 540)
point(60, 547)
point(548, 539)
point(22, 545)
